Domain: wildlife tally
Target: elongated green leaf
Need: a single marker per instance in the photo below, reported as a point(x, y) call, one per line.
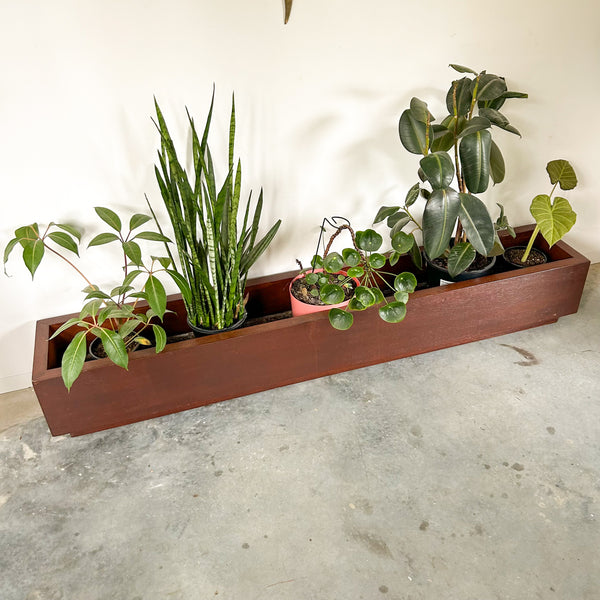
point(73, 359)
point(103, 238)
point(474, 151)
point(160, 338)
point(439, 219)
point(384, 212)
point(494, 116)
point(138, 220)
point(65, 240)
point(397, 221)
point(473, 125)
point(109, 217)
point(368, 240)
point(95, 293)
point(65, 326)
point(33, 252)
point(554, 219)
point(460, 257)
point(133, 252)
point(152, 236)
point(9, 248)
point(477, 223)
point(439, 169)
point(413, 133)
point(128, 327)
point(114, 347)
point(497, 168)
point(562, 172)
point(157, 297)
point(462, 69)
point(394, 312)
point(182, 284)
point(130, 277)
point(90, 309)
point(460, 91)
point(490, 87)
point(70, 229)
point(340, 319)
point(443, 139)
point(415, 254)
point(412, 195)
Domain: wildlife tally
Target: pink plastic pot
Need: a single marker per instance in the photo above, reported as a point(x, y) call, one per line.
point(301, 308)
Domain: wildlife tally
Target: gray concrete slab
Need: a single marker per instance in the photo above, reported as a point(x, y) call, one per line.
point(466, 474)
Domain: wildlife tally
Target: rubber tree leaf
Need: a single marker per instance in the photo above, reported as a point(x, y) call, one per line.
point(473, 125)
point(397, 222)
point(419, 110)
point(474, 151)
point(65, 240)
point(554, 219)
point(494, 116)
point(460, 257)
point(394, 312)
point(439, 219)
point(412, 195)
point(460, 88)
point(477, 223)
point(415, 254)
point(497, 168)
point(562, 172)
point(462, 69)
point(109, 217)
point(489, 87)
point(413, 133)
point(340, 319)
point(73, 359)
point(438, 169)
point(443, 139)
point(114, 347)
point(368, 240)
point(156, 295)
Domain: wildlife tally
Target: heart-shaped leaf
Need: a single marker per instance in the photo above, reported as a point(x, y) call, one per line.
point(554, 219)
point(562, 172)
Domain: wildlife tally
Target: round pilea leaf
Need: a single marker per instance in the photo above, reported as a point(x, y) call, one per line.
point(402, 242)
point(394, 312)
point(378, 295)
point(376, 260)
point(351, 257)
point(354, 304)
point(333, 262)
point(311, 278)
point(340, 319)
point(364, 295)
point(368, 240)
point(316, 262)
point(401, 297)
point(332, 294)
point(405, 282)
point(355, 272)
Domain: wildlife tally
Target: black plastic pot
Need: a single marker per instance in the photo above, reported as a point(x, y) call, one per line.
point(437, 275)
point(201, 332)
point(93, 348)
point(539, 257)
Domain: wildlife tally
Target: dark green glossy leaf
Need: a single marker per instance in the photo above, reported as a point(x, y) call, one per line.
point(354, 304)
point(443, 139)
point(333, 262)
point(133, 252)
point(413, 133)
point(394, 312)
point(64, 240)
point(138, 220)
point(490, 87)
point(368, 240)
point(156, 295)
point(316, 262)
point(379, 297)
point(351, 257)
point(462, 69)
point(497, 168)
point(376, 260)
point(419, 110)
point(477, 223)
point(474, 151)
point(114, 347)
point(394, 258)
point(340, 319)
point(356, 272)
point(402, 242)
point(494, 116)
point(439, 219)
point(405, 282)
point(439, 169)
point(562, 172)
point(103, 238)
point(415, 254)
point(364, 295)
point(462, 89)
point(460, 257)
point(412, 195)
point(475, 124)
point(384, 212)
point(73, 359)
point(332, 294)
point(398, 221)
point(160, 338)
point(109, 217)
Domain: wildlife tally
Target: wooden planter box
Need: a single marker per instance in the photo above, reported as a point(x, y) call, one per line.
point(257, 357)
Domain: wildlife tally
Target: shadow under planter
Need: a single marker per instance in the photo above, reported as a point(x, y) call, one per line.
point(273, 349)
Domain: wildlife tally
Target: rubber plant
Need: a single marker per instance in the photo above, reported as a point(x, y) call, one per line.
point(364, 262)
point(214, 258)
point(459, 151)
point(112, 316)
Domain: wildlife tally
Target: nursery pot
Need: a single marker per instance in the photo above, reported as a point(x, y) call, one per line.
point(201, 332)
point(437, 275)
point(300, 308)
point(512, 256)
point(94, 346)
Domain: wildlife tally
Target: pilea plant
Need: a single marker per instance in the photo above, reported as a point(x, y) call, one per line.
point(363, 262)
point(112, 316)
point(459, 151)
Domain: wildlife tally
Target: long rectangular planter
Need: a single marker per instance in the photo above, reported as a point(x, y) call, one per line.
point(285, 350)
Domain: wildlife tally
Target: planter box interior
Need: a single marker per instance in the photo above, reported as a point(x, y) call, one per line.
point(274, 349)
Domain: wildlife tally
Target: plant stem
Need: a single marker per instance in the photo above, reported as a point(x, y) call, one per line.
point(70, 263)
point(530, 244)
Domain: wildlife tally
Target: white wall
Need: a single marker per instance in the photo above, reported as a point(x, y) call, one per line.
point(318, 103)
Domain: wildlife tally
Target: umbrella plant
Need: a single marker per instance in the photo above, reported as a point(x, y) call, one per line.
point(214, 257)
point(459, 160)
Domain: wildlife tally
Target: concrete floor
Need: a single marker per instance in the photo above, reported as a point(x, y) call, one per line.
point(466, 474)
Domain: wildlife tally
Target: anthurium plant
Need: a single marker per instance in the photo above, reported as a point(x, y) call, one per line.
point(459, 160)
point(110, 315)
point(363, 262)
point(554, 218)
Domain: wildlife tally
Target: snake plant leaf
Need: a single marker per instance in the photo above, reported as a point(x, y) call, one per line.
point(384, 212)
point(376, 260)
point(405, 282)
point(332, 293)
point(109, 217)
point(394, 312)
point(488, 87)
point(497, 168)
point(460, 257)
point(156, 295)
point(474, 151)
point(351, 257)
point(438, 169)
point(419, 110)
point(114, 347)
point(152, 236)
point(402, 242)
point(473, 125)
point(70, 229)
point(73, 359)
point(462, 69)
point(160, 338)
point(368, 240)
point(562, 172)
point(555, 219)
point(477, 223)
point(340, 319)
point(413, 133)
point(461, 89)
point(333, 262)
point(103, 238)
point(412, 195)
point(439, 219)
point(65, 240)
point(364, 295)
point(443, 139)
point(133, 252)
point(33, 252)
point(138, 220)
